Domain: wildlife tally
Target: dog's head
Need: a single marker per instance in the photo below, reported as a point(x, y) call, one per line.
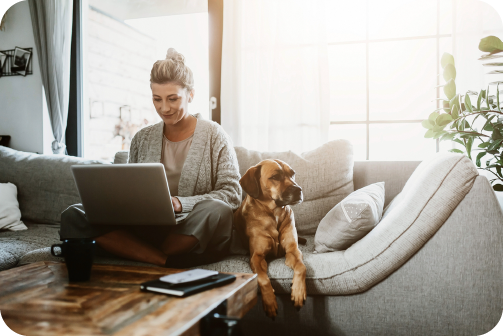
point(272, 180)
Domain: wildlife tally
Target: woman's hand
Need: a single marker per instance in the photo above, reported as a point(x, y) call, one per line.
point(177, 206)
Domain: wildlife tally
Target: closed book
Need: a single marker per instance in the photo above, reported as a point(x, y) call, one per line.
point(188, 288)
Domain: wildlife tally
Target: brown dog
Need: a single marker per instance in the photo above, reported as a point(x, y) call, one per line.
point(265, 220)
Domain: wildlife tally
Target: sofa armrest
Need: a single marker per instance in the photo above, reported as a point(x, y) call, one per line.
point(394, 174)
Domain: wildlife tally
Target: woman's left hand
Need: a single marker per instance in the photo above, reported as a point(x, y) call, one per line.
point(177, 206)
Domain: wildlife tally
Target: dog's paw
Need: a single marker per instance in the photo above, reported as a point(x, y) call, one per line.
point(298, 295)
point(270, 305)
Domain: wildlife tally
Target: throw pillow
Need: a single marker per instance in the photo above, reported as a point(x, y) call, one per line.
point(351, 219)
point(10, 215)
point(325, 175)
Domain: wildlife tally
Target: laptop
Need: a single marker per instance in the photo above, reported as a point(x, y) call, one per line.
point(125, 194)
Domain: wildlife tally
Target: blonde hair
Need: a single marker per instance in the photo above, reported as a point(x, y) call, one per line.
point(172, 69)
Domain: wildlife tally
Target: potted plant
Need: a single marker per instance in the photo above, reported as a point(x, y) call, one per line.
point(473, 117)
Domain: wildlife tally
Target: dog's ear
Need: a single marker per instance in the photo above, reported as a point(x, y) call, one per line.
point(250, 182)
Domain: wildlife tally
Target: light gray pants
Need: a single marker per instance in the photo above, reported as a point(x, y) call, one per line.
point(210, 221)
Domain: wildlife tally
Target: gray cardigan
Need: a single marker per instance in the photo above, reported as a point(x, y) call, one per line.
point(210, 170)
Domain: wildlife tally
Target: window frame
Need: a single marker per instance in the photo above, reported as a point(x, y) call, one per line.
point(74, 126)
point(367, 42)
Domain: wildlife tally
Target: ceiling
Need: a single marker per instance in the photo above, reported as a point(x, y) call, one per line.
point(136, 9)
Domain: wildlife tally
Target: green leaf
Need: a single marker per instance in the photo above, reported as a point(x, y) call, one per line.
point(429, 134)
point(447, 136)
point(498, 187)
point(498, 96)
point(455, 150)
point(438, 128)
point(479, 99)
point(450, 89)
point(468, 103)
point(433, 116)
point(487, 99)
point(446, 105)
point(491, 44)
point(443, 119)
point(427, 124)
point(495, 145)
point(455, 112)
point(479, 156)
point(484, 144)
point(458, 141)
point(446, 59)
point(496, 134)
point(438, 134)
point(449, 72)
point(469, 143)
point(488, 127)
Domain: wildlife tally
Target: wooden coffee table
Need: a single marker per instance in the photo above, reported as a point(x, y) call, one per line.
point(37, 299)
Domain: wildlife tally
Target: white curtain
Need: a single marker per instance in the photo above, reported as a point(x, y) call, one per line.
point(52, 30)
point(275, 84)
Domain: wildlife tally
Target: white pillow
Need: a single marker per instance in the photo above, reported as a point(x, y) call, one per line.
point(351, 219)
point(10, 215)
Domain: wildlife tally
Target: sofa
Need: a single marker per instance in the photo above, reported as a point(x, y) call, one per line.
point(433, 265)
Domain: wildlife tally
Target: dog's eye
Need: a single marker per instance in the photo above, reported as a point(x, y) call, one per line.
point(275, 177)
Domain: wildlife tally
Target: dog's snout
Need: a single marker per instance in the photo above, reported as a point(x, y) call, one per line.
point(294, 190)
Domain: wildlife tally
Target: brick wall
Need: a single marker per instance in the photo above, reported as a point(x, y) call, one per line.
point(118, 63)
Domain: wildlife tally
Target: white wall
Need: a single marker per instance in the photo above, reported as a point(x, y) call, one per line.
point(21, 98)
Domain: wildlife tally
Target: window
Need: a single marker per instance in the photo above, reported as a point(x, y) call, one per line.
point(383, 73)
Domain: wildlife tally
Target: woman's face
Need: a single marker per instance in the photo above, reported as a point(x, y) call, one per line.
point(171, 101)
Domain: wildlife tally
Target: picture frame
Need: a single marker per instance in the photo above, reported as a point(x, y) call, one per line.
point(3, 60)
point(21, 61)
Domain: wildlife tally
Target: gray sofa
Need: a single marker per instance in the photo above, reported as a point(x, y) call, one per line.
point(433, 267)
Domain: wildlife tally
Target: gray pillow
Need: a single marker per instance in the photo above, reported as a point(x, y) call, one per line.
point(324, 173)
point(351, 219)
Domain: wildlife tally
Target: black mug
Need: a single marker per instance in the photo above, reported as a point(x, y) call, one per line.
point(79, 255)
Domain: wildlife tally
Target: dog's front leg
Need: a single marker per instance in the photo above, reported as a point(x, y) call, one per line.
point(258, 265)
point(293, 259)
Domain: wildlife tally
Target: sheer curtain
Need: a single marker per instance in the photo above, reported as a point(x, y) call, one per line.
point(275, 84)
point(52, 30)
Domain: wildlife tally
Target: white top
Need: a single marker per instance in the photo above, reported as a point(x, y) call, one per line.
point(173, 157)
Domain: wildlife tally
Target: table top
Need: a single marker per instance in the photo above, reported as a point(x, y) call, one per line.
point(37, 299)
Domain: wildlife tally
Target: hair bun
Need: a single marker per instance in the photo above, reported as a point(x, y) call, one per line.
point(174, 55)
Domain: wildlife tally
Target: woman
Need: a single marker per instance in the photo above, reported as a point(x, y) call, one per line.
point(203, 178)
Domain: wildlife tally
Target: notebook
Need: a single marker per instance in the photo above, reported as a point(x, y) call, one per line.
point(187, 288)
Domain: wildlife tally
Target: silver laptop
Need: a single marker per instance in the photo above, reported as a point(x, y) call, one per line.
point(125, 194)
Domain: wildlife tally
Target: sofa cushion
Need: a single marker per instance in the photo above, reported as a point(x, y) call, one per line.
point(15, 244)
point(325, 175)
point(44, 183)
point(10, 216)
point(351, 219)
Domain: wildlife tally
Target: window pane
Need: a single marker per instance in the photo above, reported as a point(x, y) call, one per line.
point(445, 16)
point(400, 142)
point(402, 18)
point(348, 99)
point(402, 79)
point(345, 20)
point(356, 134)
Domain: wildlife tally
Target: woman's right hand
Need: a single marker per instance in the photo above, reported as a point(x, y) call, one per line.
point(177, 206)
